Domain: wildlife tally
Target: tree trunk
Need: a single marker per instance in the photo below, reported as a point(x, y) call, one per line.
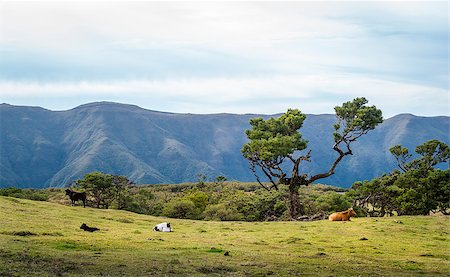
point(295, 207)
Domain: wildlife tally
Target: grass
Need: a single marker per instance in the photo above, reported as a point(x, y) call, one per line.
point(42, 238)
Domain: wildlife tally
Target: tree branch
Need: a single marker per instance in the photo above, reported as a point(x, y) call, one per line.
point(253, 169)
point(297, 162)
point(330, 172)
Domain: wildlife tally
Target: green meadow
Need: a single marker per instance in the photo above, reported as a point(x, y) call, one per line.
point(41, 238)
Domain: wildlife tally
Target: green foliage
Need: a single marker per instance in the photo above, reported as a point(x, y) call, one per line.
point(181, 208)
point(99, 187)
point(418, 190)
point(433, 152)
point(104, 189)
point(120, 189)
point(199, 198)
point(144, 201)
point(333, 202)
point(355, 119)
point(378, 196)
point(221, 179)
point(215, 201)
point(324, 199)
point(402, 156)
point(221, 201)
point(266, 205)
point(275, 144)
point(32, 194)
point(222, 212)
point(275, 138)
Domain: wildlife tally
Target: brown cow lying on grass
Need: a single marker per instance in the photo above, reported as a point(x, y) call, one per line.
point(342, 216)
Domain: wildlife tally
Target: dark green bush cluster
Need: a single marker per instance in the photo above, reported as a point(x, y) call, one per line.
point(213, 201)
point(228, 201)
point(32, 194)
point(414, 192)
point(323, 199)
point(220, 200)
point(418, 189)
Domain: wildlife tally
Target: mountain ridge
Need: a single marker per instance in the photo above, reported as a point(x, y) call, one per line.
point(42, 148)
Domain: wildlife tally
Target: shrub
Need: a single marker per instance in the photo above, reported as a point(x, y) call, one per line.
point(31, 194)
point(223, 212)
point(181, 208)
point(332, 202)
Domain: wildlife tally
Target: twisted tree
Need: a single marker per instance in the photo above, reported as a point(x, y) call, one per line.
point(276, 145)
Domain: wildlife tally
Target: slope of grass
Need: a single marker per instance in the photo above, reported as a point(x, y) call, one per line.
point(41, 238)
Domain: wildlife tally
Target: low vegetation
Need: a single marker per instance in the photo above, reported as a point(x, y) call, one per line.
point(418, 188)
point(220, 201)
point(42, 238)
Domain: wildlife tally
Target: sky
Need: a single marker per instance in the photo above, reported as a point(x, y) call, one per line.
point(227, 57)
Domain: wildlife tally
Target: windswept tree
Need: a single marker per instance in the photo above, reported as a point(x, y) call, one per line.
point(418, 189)
point(276, 147)
point(104, 189)
point(431, 153)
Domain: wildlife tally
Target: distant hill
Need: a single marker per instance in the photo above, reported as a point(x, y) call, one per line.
point(42, 148)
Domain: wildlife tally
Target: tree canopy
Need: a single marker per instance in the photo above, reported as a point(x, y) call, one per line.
point(104, 189)
point(275, 146)
point(419, 188)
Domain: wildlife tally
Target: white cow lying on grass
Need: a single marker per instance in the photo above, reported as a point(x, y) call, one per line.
point(163, 227)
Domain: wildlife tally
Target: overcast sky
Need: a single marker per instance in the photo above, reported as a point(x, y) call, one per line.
point(235, 57)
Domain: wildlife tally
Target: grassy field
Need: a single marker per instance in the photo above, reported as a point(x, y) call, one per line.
point(42, 238)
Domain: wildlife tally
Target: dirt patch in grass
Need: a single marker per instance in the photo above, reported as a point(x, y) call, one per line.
point(19, 233)
point(53, 234)
point(67, 245)
point(124, 220)
point(292, 240)
point(206, 269)
point(215, 250)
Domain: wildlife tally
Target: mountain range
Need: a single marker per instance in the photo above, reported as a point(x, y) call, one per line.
point(40, 148)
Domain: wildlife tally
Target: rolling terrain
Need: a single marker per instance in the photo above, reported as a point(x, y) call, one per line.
point(42, 238)
point(42, 148)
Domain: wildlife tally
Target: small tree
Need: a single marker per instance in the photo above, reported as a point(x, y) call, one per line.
point(99, 187)
point(276, 143)
point(121, 186)
point(418, 189)
point(432, 152)
point(104, 189)
point(221, 179)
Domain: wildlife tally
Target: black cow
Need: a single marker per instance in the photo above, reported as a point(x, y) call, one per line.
point(87, 228)
point(75, 196)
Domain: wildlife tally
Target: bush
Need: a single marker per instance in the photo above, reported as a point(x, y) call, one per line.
point(144, 202)
point(199, 198)
point(223, 212)
point(31, 194)
point(333, 202)
point(181, 208)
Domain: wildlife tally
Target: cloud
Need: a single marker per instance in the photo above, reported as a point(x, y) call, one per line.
point(311, 93)
point(226, 56)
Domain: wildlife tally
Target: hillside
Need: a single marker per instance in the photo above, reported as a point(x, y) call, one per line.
point(42, 148)
point(41, 238)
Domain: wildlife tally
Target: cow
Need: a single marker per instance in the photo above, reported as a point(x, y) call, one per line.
point(163, 227)
point(342, 216)
point(87, 228)
point(75, 196)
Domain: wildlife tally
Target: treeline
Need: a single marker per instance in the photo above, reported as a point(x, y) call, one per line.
point(218, 200)
point(418, 187)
